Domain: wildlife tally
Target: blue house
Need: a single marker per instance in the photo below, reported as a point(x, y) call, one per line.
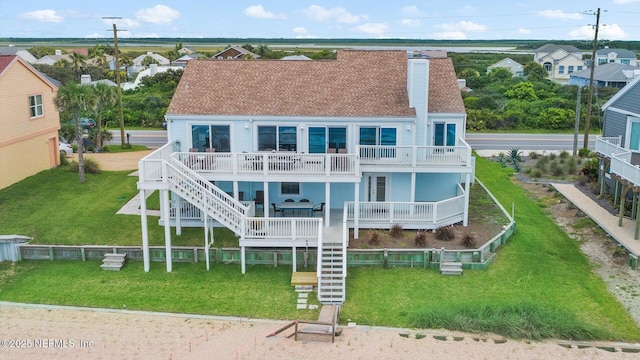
point(619, 146)
point(298, 153)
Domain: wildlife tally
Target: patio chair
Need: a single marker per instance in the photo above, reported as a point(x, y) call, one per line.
point(318, 208)
point(276, 209)
point(259, 198)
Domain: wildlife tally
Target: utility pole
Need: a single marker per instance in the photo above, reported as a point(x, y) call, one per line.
point(577, 123)
point(593, 66)
point(115, 45)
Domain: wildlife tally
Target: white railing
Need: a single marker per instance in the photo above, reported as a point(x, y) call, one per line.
point(150, 166)
point(200, 192)
point(609, 145)
point(621, 166)
point(277, 163)
point(427, 214)
point(294, 230)
point(415, 155)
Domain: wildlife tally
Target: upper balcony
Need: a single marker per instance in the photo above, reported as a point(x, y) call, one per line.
point(334, 167)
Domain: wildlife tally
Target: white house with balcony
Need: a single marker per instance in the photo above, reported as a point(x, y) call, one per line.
point(560, 61)
point(298, 153)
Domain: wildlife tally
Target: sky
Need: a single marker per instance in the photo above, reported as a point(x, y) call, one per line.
point(367, 19)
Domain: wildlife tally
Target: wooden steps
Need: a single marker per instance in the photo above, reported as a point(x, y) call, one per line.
point(113, 261)
point(304, 278)
point(451, 268)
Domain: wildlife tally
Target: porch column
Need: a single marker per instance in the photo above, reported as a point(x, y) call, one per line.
point(206, 240)
point(293, 258)
point(167, 228)
point(265, 201)
point(413, 187)
point(327, 204)
point(467, 190)
point(236, 194)
point(145, 229)
point(623, 196)
point(243, 265)
point(356, 210)
point(178, 201)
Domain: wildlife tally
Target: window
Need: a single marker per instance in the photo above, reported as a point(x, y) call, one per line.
point(289, 188)
point(561, 69)
point(377, 136)
point(633, 133)
point(602, 61)
point(445, 134)
point(35, 106)
point(570, 69)
point(281, 138)
point(625, 61)
point(211, 137)
point(318, 139)
point(579, 67)
point(547, 66)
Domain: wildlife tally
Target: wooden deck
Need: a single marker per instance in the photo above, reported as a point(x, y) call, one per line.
point(304, 278)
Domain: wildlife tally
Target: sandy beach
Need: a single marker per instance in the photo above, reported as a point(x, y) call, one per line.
point(42, 332)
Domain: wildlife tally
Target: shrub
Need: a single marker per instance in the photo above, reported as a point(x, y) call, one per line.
point(590, 169)
point(542, 163)
point(63, 160)
point(564, 154)
point(444, 233)
point(537, 173)
point(90, 166)
point(572, 167)
point(396, 231)
point(583, 152)
point(533, 155)
point(552, 156)
point(469, 241)
point(556, 169)
point(420, 239)
point(374, 237)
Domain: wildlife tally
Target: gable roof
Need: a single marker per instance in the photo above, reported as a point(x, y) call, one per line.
point(621, 53)
point(358, 83)
point(239, 49)
point(609, 72)
point(506, 62)
point(444, 93)
point(6, 61)
point(621, 93)
point(549, 48)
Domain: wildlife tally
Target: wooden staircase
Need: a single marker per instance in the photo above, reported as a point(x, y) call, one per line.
point(331, 277)
point(451, 268)
point(113, 261)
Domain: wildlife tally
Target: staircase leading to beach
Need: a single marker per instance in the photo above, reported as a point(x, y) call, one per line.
point(331, 273)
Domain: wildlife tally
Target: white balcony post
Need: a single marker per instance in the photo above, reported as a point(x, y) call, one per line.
point(293, 258)
point(145, 230)
point(467, 183)
point(243, 264)
point(265, 201)
point(167, 228)
point(178, 202)
point(356, 211)
point(327, 204)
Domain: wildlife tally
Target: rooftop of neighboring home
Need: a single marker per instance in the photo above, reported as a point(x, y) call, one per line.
point(549, 48)
point(621, 53)
point(358, 83)
point(610, 72)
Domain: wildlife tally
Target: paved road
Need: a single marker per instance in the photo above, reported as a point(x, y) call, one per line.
point(493, 141)
point(478, 141)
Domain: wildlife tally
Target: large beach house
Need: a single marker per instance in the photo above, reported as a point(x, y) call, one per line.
point(298, 153)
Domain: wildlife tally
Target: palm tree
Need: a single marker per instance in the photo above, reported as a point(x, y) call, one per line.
point(127, 63)
point(106, 96)
point(77, 100)
point(78, 62)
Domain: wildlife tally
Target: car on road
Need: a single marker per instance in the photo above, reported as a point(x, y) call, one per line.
point(65, 149)
point(85, 123)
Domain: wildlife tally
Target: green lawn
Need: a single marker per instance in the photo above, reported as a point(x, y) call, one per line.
point(539, 286)
point(52, 207)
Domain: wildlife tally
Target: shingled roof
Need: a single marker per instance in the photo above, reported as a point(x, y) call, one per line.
point(358, 83)
point(444, 94)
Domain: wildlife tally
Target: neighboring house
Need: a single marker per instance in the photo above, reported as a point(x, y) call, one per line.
point(560, 61)
point(151, 71)
point(619, 146)
point(29, 121)
point(137, 62)
point(182, 61)
point(234, 53)
point(296, 57)
point(614, 75)
point(23, 53)
point(52, 59)
point(185, 51)
point(85, 79)
point(619, 56)
point(513, 66)
point(367, 146)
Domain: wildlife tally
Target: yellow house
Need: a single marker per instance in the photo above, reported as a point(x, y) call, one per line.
point(29, 121)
